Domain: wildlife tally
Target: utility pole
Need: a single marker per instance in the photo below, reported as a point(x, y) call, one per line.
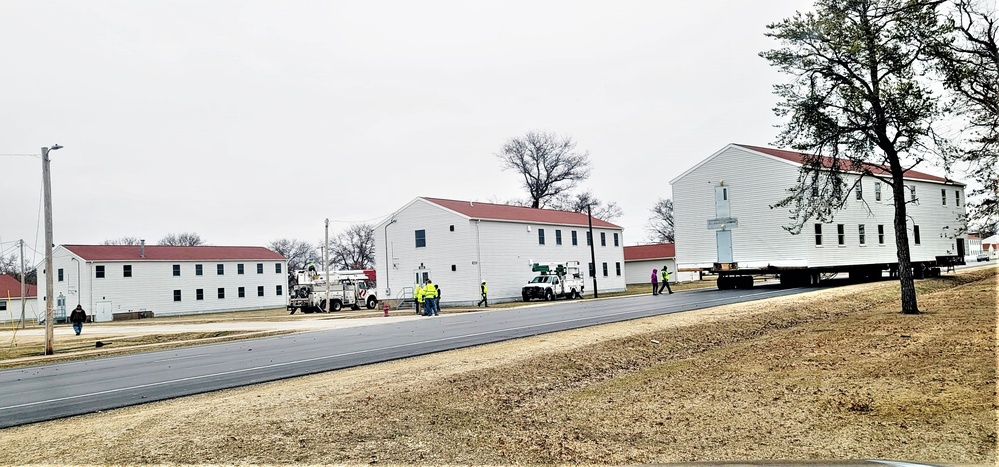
point(326, 259)
point(24, 298)
point(47, 184)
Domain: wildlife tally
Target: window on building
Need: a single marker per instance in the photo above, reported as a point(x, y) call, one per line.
point(915, 234)
point(605, 269)
point(558, 237)
point(279, 290)
point(957, 197)
point(421, 238)
point(616, 240)
point(260, 268)
point(860, 190)
point(592, 270)
point(239, 268)
point(241, 292)
point(59, 274)
point(841, 234)
point(3, 305)
point(617, 268)
point(943, 197)
point(277, 268)
point(862, 234)
point(574, 241)
point(176, 270)
point(176, 295)
point(541, 236)
point(603, 239)
point(199, 294)
point(589, 238)
point(220, 269)
point(199, 270)
point(99, 271)
point(818, 234)
point(126, 270)
point(260, 291)
point(881, 234)
point(221, 292)
point(877, 191)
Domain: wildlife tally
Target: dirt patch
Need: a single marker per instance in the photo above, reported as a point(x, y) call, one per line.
point(833, 374)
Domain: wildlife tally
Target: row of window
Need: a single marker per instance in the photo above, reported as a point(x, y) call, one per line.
point(199, 294)
point(589, 239)
point(861, 234)
point(126, 270)
point(912, 193)
point(617, 269)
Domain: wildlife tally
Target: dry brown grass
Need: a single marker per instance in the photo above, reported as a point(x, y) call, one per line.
point(833, 374)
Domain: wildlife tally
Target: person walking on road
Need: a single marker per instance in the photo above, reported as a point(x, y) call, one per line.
point(655, 281)
point(665, 274)
point(77, 317)
point(482, 289)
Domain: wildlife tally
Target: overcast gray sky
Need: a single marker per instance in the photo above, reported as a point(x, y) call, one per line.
point(250, 121)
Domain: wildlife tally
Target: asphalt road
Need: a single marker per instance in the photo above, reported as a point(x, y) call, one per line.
point(47, 392)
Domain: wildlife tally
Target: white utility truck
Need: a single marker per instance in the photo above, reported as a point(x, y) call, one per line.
point(346, 288)
point(554, 280)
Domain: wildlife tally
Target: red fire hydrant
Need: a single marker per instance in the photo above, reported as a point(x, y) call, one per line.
point(385, 307)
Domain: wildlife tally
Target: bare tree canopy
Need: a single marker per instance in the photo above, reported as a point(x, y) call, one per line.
point(184, 239)
point(353, 248)
point(857, 98)
point(580, 201)
point(122, 241)
point(549, 164)
point(661, 223)
point(11, 266)
point(970, 67)
point(298, 253)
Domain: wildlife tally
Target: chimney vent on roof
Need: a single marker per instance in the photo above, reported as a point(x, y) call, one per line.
point(142, 248)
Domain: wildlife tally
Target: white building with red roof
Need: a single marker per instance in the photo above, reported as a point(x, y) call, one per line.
point(722, 214)
point(640, 260)
point(11, 300)
point(165, 280)
point(459, 244)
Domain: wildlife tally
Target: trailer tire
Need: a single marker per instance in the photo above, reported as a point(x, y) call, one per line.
point(549, 296)
point(336, 305)
point(726, 283)
point(372, 303)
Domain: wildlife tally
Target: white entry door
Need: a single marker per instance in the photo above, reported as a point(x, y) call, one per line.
point(723, 241)
point(103, 311)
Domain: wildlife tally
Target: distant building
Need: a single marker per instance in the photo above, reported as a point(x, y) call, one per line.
point(722, 214)
point(459, 244)
point(166, 280)
point(11, 300)
point(640, 260)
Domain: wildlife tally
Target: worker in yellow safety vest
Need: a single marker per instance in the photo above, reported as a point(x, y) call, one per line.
point(430, 299)
point(484, 295)
point(665, 274)
point(418, 295)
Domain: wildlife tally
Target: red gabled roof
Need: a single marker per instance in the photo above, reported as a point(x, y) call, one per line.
point(172, 253)
point(10, 287)
point(799, 158)
point(655, 251)
point(506, 212)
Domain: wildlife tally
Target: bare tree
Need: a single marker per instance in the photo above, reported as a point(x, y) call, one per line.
point(11, 266)
point(184, 239)
point(970, 67)
point(122, 241)
point(580, 201)
point(299, 253)
point(549, 164)
point(661, 223)
point(857, 100)
point(353, 248)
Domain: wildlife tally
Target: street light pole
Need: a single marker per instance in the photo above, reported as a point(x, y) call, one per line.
point(47, 184)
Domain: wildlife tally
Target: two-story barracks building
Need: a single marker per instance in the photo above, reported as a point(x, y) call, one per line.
point(166, 280)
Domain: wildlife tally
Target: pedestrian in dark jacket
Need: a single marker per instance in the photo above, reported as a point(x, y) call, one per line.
point(655, 281)
point(77, 317)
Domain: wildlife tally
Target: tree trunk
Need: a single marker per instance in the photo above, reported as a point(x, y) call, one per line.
point(906, 283)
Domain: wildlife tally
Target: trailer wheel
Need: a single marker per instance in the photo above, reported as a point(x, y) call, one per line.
point(372, 303)
point(549, 296)
point(336, 305)
point(726, 283)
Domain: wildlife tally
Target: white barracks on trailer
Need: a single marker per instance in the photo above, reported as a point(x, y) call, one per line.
point(724, 223)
